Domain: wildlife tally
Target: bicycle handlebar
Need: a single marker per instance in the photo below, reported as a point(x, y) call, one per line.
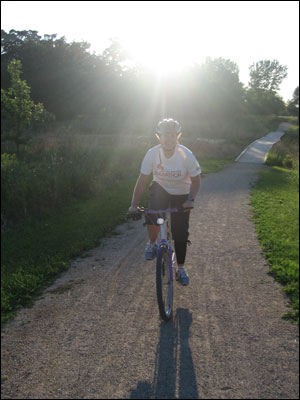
point(141, 210)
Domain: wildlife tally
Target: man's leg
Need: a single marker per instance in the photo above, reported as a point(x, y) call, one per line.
point(158, 200)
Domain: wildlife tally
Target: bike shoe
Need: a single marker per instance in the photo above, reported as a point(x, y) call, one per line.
point(150, 252)
point(183, 277)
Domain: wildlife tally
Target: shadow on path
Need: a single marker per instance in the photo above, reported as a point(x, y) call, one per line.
point(173, 358)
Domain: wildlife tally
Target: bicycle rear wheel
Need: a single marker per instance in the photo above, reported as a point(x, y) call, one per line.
point(164, 284)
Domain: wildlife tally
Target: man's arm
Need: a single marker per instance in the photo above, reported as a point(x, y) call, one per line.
point(139, 190)
point(195, 187)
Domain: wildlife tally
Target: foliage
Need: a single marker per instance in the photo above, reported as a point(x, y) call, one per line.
point(265, 78)
point(49, 178)
point(267, 75)
point(15, 188)
point(264, 102)
point(293, 105)
point(61, 75)
point(285, 153)
point(18, 111)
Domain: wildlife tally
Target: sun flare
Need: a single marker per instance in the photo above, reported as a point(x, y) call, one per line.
point(162, 54)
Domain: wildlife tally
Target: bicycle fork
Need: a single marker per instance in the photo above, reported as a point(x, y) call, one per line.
point(166, 252)
point(165, 241)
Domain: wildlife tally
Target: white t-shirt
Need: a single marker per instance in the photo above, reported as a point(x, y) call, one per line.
point(174, 173)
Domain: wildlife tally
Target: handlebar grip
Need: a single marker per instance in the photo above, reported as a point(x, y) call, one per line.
point(182, 209)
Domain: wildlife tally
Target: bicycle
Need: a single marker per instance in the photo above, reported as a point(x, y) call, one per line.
point(165, 260)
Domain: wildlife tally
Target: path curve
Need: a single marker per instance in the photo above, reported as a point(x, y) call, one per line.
point(257, 151)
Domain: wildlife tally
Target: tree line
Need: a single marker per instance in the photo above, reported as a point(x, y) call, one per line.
point(71, 83)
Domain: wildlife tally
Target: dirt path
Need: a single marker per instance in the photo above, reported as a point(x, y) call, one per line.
point(97, 334)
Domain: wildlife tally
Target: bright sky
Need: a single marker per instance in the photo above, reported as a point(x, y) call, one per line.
point(167, 35)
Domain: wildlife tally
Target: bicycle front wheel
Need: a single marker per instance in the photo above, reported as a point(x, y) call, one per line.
point(164, 284)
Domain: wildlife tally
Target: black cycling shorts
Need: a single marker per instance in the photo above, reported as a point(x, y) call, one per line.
point(160, 199)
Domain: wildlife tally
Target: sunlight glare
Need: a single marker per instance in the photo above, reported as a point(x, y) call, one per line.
point(162, 55)
point(167, 47)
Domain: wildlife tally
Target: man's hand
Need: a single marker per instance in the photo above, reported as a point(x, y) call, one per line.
point(132, 209)
point(188, 204)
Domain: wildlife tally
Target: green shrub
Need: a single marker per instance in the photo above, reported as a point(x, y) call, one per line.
point(15, 179)
point(285, 153)
point(288, 161)
point(275, 159)
point(51, 178)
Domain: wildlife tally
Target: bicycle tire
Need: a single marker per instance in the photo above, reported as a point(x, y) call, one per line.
point(164, 285)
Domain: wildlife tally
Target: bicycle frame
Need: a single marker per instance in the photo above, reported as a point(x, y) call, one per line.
point(165, 240)
point(165, 234)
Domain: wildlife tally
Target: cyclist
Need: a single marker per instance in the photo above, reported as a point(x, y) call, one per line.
point(176, 182)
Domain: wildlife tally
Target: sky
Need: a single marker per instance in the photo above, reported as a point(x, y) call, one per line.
point(167, 35)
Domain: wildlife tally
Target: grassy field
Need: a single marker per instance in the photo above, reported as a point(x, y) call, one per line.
point(275, 201)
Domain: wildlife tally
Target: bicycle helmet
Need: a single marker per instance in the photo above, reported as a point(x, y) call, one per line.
point(168, 125)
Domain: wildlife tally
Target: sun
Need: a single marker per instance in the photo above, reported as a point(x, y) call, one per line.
point(163, 54)
point(161, 59)
point(166, 36)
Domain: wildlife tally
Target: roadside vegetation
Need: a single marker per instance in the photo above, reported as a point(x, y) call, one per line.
point(275, 201)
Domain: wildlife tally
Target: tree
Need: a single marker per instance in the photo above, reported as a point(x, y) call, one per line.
point(115, 57)
point(220, 91)
point(63, 76)
point(267, 75)
point(293, 105)
point(264, 102)
point(18, 111)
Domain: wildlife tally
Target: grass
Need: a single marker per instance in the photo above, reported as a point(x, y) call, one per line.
point(275, 201)
point(210, 166)
point(35, 252)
